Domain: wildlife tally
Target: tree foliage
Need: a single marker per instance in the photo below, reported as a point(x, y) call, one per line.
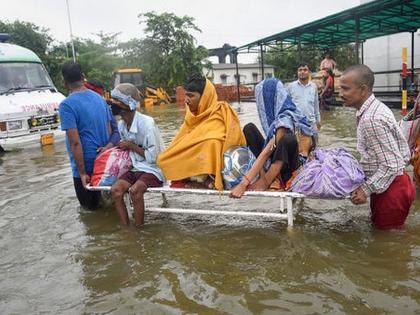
point(99, 58)
point(28, 35)
point(167, 54)
point(286, 59)
point(38, 40)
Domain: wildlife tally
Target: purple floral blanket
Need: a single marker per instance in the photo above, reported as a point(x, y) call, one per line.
point(334, 173)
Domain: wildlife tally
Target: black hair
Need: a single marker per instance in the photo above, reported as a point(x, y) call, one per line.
point(328, 53)
point(97, 83)
point(195, 83)
point(365, 74)
point(72, 72)
point(304, 64)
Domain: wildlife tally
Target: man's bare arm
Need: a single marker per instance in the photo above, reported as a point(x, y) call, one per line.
point(77, 151)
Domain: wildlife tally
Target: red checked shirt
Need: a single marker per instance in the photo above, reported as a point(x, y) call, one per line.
point(382, 145)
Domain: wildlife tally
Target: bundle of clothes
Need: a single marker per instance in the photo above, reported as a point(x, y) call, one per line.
point(410, 126)
point(332, 173)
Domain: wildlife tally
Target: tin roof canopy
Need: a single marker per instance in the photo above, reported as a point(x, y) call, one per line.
point(369, 20)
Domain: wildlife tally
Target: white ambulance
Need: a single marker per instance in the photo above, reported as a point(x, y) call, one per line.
point(28, 99)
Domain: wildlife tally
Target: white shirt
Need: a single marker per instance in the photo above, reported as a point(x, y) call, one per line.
point(144, 132)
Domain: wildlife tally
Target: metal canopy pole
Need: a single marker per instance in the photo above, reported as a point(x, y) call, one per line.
point(238, 80)
point(71, 32)
point(412, 58)
point(262, 62)
point(363, 53)
point(357, 40)
point(300, 50)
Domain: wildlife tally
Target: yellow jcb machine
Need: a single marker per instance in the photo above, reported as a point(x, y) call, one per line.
point(135, 76)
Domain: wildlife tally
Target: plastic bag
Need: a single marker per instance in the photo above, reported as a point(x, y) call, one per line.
point(109, 166)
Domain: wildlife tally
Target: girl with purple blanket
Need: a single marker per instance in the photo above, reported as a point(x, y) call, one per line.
point(333, 173)
point(278, 153)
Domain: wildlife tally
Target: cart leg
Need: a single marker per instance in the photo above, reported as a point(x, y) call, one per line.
point(289, 204)
point(165, 202)
point(281, 204)
point(128, 202)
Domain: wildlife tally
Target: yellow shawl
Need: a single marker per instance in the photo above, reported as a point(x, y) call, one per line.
point(198, 147)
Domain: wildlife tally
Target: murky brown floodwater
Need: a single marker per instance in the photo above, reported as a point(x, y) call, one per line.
point(58, 259)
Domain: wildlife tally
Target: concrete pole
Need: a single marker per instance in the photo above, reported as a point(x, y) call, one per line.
point(71, 32)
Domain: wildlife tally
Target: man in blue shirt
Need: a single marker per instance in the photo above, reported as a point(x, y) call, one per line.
point(85, 117)
point(304, 94)
point(141, 136)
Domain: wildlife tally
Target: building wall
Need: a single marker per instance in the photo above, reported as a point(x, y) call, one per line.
point(247, 75)
point(385, 54)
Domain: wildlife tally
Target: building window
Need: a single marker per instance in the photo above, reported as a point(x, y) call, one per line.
point(223, 77)
point(236, 78)
point(242, 78)
point(254, 77)
point(268, 75)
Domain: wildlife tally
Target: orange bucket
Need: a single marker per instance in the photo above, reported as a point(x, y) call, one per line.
point(47, 139)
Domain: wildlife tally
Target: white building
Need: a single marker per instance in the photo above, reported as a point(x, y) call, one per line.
point(384, 54)
point(225, 73)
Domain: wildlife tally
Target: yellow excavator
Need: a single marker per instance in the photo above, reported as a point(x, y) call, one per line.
point(135, 76)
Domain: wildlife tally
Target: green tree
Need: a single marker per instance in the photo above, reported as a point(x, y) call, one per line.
point(168, 54)
point(285, 59)
point(99, 58)
point(28, 35)
point(345, 56)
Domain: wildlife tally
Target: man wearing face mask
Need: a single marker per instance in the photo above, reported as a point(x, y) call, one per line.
point(141, 136)
point(194, 159)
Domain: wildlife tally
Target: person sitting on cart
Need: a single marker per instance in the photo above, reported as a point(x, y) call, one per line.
point(277, 154)
point(141, 136)
point(194, 159)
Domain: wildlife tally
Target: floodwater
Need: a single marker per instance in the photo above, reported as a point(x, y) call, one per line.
point(59, 259)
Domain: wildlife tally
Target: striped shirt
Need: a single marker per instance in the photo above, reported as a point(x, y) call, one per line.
point(381, 143)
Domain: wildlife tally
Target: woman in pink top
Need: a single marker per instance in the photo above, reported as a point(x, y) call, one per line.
point(327, 94)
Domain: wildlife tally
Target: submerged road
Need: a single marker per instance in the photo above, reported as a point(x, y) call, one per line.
point(59, 259)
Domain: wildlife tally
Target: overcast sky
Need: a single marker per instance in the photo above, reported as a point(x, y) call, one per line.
point(229, 21)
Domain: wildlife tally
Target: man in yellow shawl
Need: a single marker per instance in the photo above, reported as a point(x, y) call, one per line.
point(194, 159)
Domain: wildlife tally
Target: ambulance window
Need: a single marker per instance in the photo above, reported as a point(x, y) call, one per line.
point(23, 76)
point(4, 78)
